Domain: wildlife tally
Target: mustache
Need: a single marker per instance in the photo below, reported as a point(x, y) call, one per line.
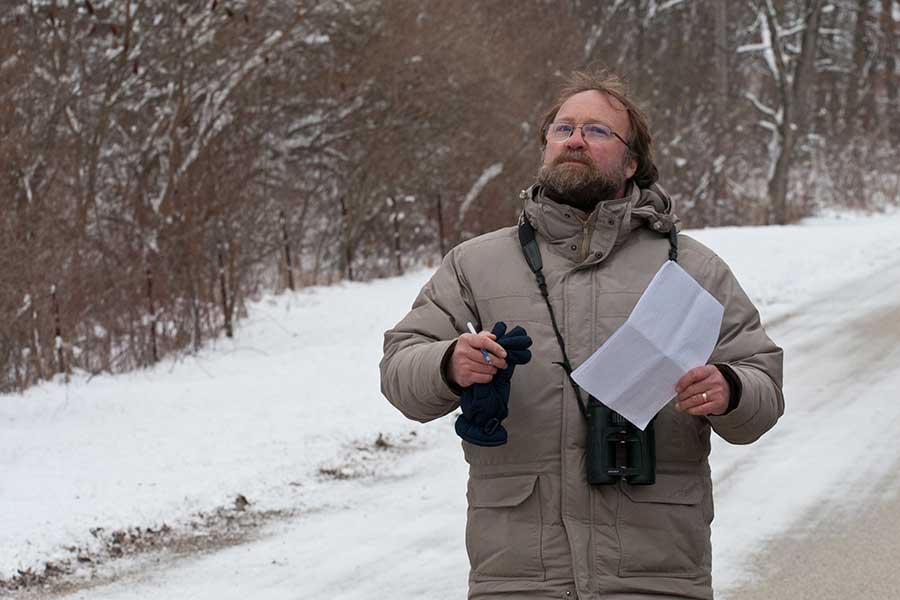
point(569, 156)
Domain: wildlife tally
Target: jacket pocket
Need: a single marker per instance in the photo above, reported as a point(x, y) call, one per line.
point(514, 309)
point(503, 531)
point(662, 529)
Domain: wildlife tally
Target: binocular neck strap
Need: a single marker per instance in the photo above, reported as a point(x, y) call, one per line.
point(536, 264)
point(673, 244)
point(533, 258)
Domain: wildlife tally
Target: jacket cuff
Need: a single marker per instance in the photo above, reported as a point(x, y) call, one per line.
point(746, 408)
point(735, 386)
point(445, 362)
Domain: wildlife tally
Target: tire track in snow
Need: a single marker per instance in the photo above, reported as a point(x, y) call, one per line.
point(842, 387)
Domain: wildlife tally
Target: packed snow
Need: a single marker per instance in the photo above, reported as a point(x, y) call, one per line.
point(289, 414)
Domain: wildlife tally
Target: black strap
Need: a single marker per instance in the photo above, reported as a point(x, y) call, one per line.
point(673, 244)
point(533, 257)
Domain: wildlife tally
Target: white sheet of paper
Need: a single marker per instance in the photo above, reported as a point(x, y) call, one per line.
point(672, 329)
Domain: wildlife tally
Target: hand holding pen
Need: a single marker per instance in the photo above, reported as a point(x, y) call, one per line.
point(484, 353)
point(475, 359)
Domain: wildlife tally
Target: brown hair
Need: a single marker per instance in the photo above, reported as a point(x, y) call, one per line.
point(639, 140)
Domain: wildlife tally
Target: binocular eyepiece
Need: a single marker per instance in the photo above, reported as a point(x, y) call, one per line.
point(617, 449)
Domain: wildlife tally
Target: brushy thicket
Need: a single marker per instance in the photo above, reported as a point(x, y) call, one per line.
point(161, 162)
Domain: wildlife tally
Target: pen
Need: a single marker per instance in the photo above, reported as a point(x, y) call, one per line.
point(487, 357)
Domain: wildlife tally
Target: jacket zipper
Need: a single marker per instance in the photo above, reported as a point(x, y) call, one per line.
point(587, 230)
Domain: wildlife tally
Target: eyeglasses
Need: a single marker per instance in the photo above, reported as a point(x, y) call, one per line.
point(592, 133)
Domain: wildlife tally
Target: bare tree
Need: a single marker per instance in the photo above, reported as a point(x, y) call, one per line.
point(163, 163)
point(792, 72)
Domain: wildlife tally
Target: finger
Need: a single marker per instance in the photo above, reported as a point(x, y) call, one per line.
point(478, 363)
point(485, 333)
point(497, 361)
point(695, 400)
point(471, 340)
point(479, 366)
point(482, 341)
point(467, 339)
point(707, 385)
point(708, 408)
point(474, 356)
point(479, 378)
point(467, 343)
point(693, 376)
point(517, 343)
point(517, 331)
point(498, 329)
point(469, 372)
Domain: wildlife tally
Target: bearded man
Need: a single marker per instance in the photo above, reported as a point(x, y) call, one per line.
point(537, 528)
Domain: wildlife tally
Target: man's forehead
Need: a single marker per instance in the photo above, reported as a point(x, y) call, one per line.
point(594, 104)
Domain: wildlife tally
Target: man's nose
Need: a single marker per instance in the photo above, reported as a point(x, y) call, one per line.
point(575, 141)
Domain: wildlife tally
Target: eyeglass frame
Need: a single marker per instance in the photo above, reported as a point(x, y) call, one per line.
point(580, 129)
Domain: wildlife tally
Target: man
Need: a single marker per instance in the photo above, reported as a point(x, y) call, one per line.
point(536, 527)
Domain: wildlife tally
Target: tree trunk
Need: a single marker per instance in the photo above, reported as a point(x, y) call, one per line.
point(395, 225)
point(195, 307)
point(856, 83)
point(889, 35)
point(778, 183)
point(440, 223)
point(288, 260)
point(57, 335)
point(36, 350)
point(796, 93)
point(345, 235)
point(722, 127)
point(18, 379)
point(805, 73)
point(223, 289)
point(154, 353)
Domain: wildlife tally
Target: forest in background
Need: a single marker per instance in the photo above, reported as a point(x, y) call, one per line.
point(161, 163)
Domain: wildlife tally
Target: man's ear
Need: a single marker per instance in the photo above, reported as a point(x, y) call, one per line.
point(631, 169)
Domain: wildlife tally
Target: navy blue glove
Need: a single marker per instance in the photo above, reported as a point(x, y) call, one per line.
point(485, 405)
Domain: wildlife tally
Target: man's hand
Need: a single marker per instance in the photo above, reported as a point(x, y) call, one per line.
point(467, 364)
point(702, 391)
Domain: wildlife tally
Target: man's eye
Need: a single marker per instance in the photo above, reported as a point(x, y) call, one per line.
point(563, 128)
point(597, 130)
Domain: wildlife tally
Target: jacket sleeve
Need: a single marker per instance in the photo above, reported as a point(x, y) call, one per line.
point(412, 376)
point(744, 346)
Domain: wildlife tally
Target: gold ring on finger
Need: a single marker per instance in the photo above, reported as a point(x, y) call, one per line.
point(704, 396)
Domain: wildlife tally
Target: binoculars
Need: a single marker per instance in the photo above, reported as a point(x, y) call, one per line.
point(617, 449)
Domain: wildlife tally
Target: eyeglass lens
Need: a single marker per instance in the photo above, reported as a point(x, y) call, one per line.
point(592, 132)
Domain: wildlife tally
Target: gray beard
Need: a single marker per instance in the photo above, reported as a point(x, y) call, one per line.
point(580, 186)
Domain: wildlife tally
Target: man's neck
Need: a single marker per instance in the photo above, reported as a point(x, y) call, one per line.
point(585, 202)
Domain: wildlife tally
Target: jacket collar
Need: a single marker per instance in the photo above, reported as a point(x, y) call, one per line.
point(606, 227)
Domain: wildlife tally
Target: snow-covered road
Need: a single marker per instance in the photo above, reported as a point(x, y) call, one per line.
point(839, 435)
point(830, 292)
point(403, 537)
point(836, 552)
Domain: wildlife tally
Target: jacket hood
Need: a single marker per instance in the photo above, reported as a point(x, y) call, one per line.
point(653, 206)
point(576, 234)
point(650, 208)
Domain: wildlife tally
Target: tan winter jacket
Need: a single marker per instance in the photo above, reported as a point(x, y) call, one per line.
point(536, 528)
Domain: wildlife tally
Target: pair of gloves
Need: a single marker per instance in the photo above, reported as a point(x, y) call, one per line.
point(485, 405)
